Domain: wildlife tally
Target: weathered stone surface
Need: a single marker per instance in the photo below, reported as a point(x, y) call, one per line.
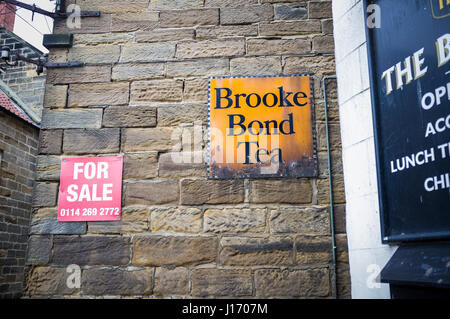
point(327, 26)
point(133, 220)
point(188, 18)
point(55, 96)
point(156, 91)
point(140, 165)
point(91, 250)
point(101, 141)
point(344, 289)
point(170, 282)
point(58, 55)
point(290, 28)
point(49, 281)
point(45, 212)
point(48, 167)
point(134, 21)
point(102, 38)
point(85, 74)
point(39, 250)
point(323, 43)
point(147, 51)
point(175, 4)
point(182, 164)
point(336, 163)
point(183, 220)
point(134, 116)
point(182, 114)
point(323, 64)
point(305, 221)
point(100, 24)
point(214, 32)
point(235, 220)
point(196, 90)
point(319, 9)
point(221, 282)
point(149, 139)
point(117, 281)
point(246, 15)
point(204, 67)
point(211, 48)
point(229, 3)
point(323, 190)
point(113, 6)
point(50, 141)
point(278, 46)
point(292, 191)
point(292, 283)
point(173, 251)
point(140, 71)
point(290, 11)
point(341, 249)
point(339, 219)
point(73, 118)
point(198, 192)
point(51, 226)
point(246, 251)
point(312, 249)
point(163, 35)
point(44, 194)
point(98, 94)
point(94, 54)
point(154, 193)
point(270, 65)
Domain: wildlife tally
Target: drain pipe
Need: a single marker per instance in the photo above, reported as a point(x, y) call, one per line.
point(333, 239)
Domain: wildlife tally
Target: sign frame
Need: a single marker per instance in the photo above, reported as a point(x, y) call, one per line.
point(386, 232)
point(93, 210)
point(269, 176)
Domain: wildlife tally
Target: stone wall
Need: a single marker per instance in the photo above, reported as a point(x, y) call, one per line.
point(18, 150)
point(182, 235)
point(22, 79)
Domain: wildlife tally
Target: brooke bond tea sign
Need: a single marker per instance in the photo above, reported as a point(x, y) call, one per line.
point(90, 189)
point(261, 127)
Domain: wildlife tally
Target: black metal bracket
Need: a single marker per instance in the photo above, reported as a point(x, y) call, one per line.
point(59, 14)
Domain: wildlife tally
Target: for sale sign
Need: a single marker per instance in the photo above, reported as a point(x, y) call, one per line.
point(90, 189)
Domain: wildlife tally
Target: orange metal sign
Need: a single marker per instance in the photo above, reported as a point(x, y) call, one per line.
point(261, 127)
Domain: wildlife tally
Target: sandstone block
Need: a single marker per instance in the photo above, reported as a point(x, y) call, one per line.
point(94, 54)
point(306, 221)
point(134, 21)
point(206, 67)
point(292, 283)
point(182, 164)
point(210, 48)
point(117, 281)
point(73, 118)
point(48, 167)
point(163, 35)
point(85, 74)
point(221, 282)
point(55, 96)
point(154, 193)
point(173, 251)
point(49, 281)
point(39, 250)
point(133, 220)
point(278, 46)
point(290, 28)
point(196, 90)
point(149, 139)
point(175, 4)
point(50, 141)
point(91, 250)
point(226, 31)
point(170, 282)
point(91, 141)
point(140, 165)
point(135, 116)
point(323, 43)
point(246, 251)
point(319, 9)
point(183, 220)
point(234, 220)
point(281, 191)
point(44, 194)
point(140, 71)
point(182, 114)
point(51, 226)
point(198, 192)
point(313, 249)
point(98, 94)
point(256, 65)
point(291, 11)
point(188, 18)
point(146, 52)
point(156, 91)
point(246, 15)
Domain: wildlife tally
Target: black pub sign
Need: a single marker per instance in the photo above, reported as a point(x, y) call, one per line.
point(409, 58)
